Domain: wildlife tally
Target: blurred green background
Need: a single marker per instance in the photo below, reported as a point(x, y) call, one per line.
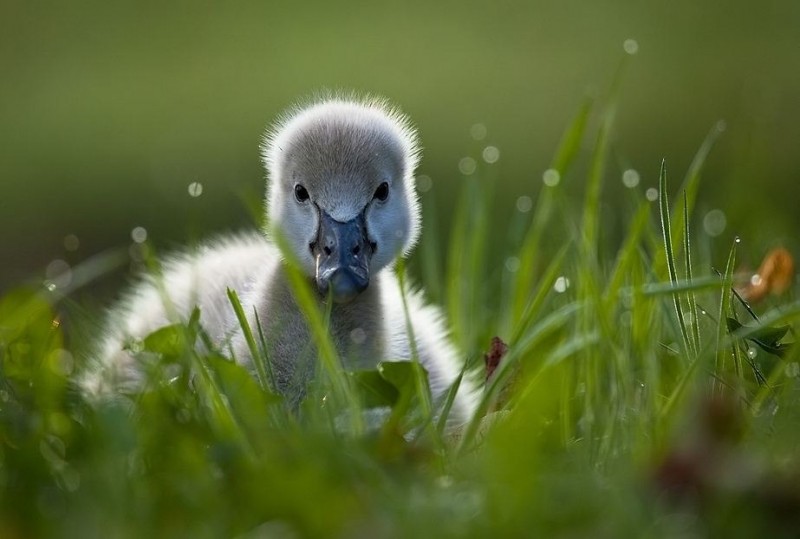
point(110, 110)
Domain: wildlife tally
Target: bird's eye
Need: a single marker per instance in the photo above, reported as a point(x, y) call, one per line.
point(382, 192)
point(300, 193)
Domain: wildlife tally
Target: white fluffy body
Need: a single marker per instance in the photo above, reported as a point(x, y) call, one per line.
point(340, 149)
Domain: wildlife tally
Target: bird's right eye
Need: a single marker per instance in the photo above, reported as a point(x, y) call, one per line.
point(300, 193)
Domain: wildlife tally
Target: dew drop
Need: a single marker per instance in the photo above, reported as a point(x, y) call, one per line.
point(752, 353)
point(195, 189)
point(524, 204)
point(467, 166)
point(477, 131)
point(737, 239)
point(424, 183)
point(512, 264)
point(139, 234)
point(561, 285)
point(630, 178)
point(551, 177)
point(631, 46)
point(651, 194)
point(491, 154)
point(714, 223)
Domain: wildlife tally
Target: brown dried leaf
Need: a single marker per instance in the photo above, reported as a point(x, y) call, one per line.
point(774, 276)
point(492, 358)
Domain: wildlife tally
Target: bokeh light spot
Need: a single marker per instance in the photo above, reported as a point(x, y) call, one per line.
point(551, 177)
point(714, 223)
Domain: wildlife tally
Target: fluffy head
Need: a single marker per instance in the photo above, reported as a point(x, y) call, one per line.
point(340, 152)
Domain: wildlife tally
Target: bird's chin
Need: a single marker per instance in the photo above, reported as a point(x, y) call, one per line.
point(343, 285)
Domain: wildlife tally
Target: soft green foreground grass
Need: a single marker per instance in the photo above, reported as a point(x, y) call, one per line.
point(621, 408)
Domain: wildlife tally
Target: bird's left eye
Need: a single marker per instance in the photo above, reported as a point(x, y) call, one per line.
point(382, 192)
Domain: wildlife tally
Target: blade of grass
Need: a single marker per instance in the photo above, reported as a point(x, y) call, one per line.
point(670, 255)
point(724, 307)
point(695, 321)
point(626, 255)
point(535, 304)
point(258, 358)
point(421, 384)
point(690, 186)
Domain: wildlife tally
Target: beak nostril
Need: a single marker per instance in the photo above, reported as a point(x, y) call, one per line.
point(327, 250)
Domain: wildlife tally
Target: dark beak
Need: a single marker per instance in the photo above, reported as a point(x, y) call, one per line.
point(342, 252)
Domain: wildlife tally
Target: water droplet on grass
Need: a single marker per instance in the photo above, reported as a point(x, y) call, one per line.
point(477, 131)
point(561, 285)
point(714, 223)
point(195, 189)
point(424, 183)
point(139, 234)
point(512, 264)
point(630, 178)
point(551, 177)
point(491, 154)
point(467, 166)
point(631, 46)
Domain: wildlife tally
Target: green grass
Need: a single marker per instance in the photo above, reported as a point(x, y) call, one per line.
point(621, 408)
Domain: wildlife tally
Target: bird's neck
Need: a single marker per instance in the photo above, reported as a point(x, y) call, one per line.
point(356, 328)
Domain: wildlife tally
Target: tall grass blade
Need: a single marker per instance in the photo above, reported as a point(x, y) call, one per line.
point(258, 357)
point(419, 380)
point(724, 307)
point(673, 273)
point(687, 248)
point(627, 254)
point(536, 303)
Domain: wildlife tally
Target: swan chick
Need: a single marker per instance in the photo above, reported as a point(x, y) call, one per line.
point(341, 195)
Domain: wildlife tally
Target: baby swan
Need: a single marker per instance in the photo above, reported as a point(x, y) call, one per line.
point(341, 194)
